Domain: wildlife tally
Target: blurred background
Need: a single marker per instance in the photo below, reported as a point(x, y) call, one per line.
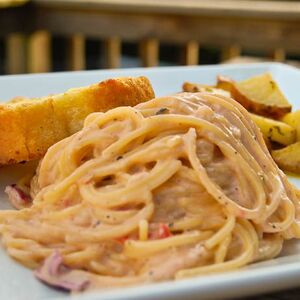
point(61, 35)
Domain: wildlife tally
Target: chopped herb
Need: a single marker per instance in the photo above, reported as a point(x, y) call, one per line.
point(162, 111)
point(208, 89)
point(270, 133)
point(279, 130)
point(171, 224)
point(273, 84)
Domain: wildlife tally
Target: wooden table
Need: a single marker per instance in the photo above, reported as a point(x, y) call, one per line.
point(10, 3)
point(270, 27)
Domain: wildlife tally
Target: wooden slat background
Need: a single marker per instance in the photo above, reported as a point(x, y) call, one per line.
point(271, 28)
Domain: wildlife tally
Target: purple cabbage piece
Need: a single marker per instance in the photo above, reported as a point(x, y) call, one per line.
point(18, 198)
point(54, 273)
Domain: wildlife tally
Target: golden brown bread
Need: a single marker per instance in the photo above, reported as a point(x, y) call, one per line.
point(28, 127)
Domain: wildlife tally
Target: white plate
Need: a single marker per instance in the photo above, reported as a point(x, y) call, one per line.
point(17, 282)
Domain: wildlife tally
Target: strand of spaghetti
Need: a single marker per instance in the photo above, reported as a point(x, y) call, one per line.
point(81, 143)
point(189, 222)
point(112, 216)
point(143, 230)
point(26, 258)
point(116, 231)
point(118, 113)
point(107, 197)
point(288, 209)
point(41, 232)
point(252, 177)
point(276, 195)
point(82, 170)
point(150, 126)
point(252, 232)
point(225, 230)
point(239, 117)
point(211, 187)
point(162, 171)
point(269, 248)
point(80, 258)
point(188, 120)
point(136, 249)
point(244, 258)
point(63, 214)
point(294, 231)
point(242, 113)
point(53, 153)
point(220, 254)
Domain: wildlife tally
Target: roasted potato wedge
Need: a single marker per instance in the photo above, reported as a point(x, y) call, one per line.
point(196, 87)
point(293, 119)
point(288, 158)
point(259, 94)
point(274, 130)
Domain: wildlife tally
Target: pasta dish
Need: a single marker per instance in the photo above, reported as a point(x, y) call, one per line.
point(175, 187)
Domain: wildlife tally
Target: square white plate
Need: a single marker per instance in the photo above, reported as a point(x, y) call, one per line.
point(17, 282)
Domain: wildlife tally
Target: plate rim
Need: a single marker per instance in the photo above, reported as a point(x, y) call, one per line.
point(277, 276)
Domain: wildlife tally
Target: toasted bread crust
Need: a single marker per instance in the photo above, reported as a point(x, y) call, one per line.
point(29, 127)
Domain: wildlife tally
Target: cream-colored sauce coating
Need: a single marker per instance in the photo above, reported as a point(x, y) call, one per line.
point(178, 186)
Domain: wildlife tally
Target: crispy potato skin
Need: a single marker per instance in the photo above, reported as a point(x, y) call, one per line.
point(293, 119)
point(195, 87)
point(288, 158)
point(28, 127)
point(274, 130)
point(260, 108)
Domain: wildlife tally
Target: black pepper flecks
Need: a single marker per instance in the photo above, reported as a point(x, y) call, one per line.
point(161, 111)
point(279, 130)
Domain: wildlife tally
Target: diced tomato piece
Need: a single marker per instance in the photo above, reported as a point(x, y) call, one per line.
point(122, 239)
point(160, 231)
point(163, 231)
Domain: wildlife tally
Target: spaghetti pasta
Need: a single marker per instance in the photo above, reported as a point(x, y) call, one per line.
point(175, 187)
